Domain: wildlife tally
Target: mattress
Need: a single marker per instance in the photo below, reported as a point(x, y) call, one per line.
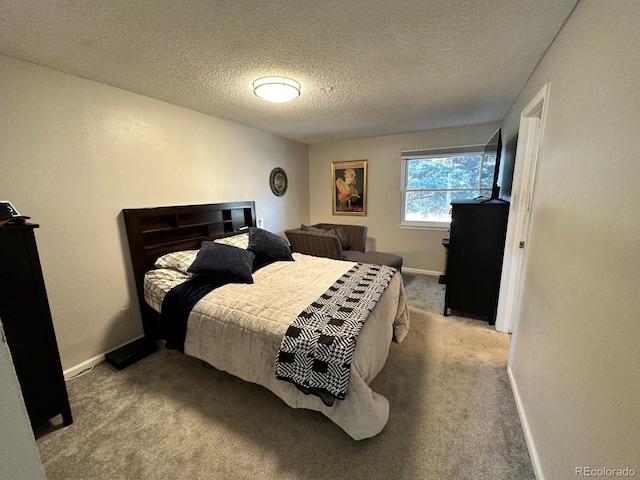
point(238, 328)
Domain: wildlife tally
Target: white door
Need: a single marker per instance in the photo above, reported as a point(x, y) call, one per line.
point(529, 141)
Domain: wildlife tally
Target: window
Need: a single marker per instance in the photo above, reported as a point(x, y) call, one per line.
point(431, 179)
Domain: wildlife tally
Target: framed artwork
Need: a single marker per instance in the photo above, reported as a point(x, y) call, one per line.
point(349, 187)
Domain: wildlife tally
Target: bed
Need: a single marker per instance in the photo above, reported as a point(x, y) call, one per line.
point(242, 328)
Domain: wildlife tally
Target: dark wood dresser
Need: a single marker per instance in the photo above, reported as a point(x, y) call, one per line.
point(474, 261)
point(28, 327)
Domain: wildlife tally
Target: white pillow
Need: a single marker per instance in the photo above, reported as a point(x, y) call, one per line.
point(179, 261)
point(158, 282)
point(241, 240)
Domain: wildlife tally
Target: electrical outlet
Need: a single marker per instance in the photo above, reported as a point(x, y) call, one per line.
point(125, 314)
point(260, 222)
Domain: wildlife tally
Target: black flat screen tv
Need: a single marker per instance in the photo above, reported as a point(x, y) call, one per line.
point(508, 163)
point(505, 162)
point(494, 147)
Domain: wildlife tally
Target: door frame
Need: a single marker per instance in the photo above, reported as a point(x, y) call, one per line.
point(530, 136)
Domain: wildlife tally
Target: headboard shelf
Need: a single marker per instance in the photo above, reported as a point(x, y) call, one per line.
point(164, 245)
point(152, 232)
point(225, 225)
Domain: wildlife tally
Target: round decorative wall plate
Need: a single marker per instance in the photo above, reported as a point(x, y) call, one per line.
point(278, 181)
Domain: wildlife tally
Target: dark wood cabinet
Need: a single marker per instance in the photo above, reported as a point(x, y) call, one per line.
point(474, 260)
point(28, 327)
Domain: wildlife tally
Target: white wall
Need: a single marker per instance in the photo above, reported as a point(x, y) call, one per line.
point(74, 153)
point(421, 249)
point(576, 362)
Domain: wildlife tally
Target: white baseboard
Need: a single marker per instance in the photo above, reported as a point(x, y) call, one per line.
point(81, 367)
point(92, 362)
point(421, 272)
point(531, 444)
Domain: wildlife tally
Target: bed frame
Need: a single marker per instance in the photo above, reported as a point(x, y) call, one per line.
point(153, 232)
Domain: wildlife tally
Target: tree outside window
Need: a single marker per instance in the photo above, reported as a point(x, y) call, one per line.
point(430, 183)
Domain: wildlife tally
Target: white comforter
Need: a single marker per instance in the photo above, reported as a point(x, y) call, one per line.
point(238, 328)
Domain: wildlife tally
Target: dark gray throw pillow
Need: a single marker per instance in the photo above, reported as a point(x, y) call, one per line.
point(342, 236)
point(338, 232)
point(268, 246)
point(223, 262)
point(309, 228)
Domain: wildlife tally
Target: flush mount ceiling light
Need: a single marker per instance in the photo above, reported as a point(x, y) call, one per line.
point(276, 89)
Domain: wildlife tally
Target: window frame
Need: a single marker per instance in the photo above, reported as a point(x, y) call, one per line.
point(435, 153)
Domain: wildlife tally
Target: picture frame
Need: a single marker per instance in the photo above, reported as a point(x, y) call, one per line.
point(349, 187)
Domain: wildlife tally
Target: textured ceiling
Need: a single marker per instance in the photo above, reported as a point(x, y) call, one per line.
point(367, 67)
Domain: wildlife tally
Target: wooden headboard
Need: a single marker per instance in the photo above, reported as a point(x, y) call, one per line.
point(152, 232)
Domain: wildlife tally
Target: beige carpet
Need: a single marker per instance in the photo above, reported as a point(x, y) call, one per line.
point(169, 417)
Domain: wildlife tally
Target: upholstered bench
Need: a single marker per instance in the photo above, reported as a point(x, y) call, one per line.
point(378, 258)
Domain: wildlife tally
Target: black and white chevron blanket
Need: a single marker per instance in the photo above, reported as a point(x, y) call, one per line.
point(317, 349)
